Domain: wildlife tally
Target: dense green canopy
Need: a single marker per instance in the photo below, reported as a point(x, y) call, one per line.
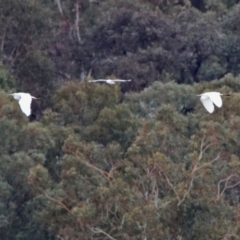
point(137, 161)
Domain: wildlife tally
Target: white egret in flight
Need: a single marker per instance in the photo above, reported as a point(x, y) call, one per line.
point(110, 81)
point(24, 100)
point(209, 99)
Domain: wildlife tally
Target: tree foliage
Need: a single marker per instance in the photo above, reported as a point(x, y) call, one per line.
point(140, 160)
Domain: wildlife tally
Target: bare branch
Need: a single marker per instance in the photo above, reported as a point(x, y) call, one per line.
point(193, 177)
point(219, 185)
point(59, 202)
point(77, 22)
point(188, 191)
point(89, 73)
point(229, 235)
point(173, 188)
point(122, 222)
point(65, 207)
point(107, 175)
point(60, 237)
point(97, 230)
point(226, 186)
point(197, 167)
point(203, 148)
point(59, 6)
point(3, 40)
point(156, 193)
point(165, 204)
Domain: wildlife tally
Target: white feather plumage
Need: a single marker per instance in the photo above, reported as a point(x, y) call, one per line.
point(209, 99)
point(24, 100)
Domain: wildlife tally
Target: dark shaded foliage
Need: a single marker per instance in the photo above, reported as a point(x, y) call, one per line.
point(95, 162)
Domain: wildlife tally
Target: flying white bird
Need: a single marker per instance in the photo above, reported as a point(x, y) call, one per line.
point(110, 81)
point(24, 100)
point(209, 99)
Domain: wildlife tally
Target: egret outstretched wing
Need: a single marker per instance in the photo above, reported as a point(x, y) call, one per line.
point(121, 80)
point(109, 81)
point(24, 100)
point(207, 103)
point(17, 96)
point(98, 80)
point(25, 104)
point(215, 98)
